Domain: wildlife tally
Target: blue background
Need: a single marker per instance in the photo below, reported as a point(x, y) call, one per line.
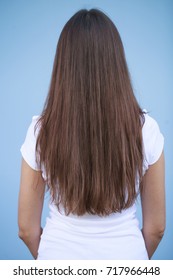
point(29, 31)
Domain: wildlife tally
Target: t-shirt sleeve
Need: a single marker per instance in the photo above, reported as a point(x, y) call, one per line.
point(28, 148)
point(153, 140)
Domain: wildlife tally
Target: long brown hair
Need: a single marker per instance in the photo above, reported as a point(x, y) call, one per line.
point(90, 138)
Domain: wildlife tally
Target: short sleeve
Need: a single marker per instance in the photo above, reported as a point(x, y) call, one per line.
point(28, 148)
point(153, 140)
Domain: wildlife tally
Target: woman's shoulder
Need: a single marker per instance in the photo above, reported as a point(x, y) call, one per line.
point(153, 139)
point(29, 144)
point(34, 120)
point(34, 126)
point(149, 123)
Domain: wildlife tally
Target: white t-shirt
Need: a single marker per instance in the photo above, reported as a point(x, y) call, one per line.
point(116, 236)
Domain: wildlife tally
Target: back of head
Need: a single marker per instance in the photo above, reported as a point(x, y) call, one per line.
point(90, 138)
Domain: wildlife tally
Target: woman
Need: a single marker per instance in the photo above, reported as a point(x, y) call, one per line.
point(95, 149)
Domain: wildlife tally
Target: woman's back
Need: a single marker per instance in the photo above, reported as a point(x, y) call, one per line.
point(116, 236)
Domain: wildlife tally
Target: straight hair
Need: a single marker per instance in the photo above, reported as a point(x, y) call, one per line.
point(90, 129)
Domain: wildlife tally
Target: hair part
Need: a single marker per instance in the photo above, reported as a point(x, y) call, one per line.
point(90, 138)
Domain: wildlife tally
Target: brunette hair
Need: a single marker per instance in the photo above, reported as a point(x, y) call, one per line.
point(90, 137)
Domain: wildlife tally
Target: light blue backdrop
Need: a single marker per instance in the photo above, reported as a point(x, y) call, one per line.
point(29, 31)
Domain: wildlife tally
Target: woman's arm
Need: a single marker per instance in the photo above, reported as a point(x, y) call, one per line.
point(31, 197)
point(153, 205)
